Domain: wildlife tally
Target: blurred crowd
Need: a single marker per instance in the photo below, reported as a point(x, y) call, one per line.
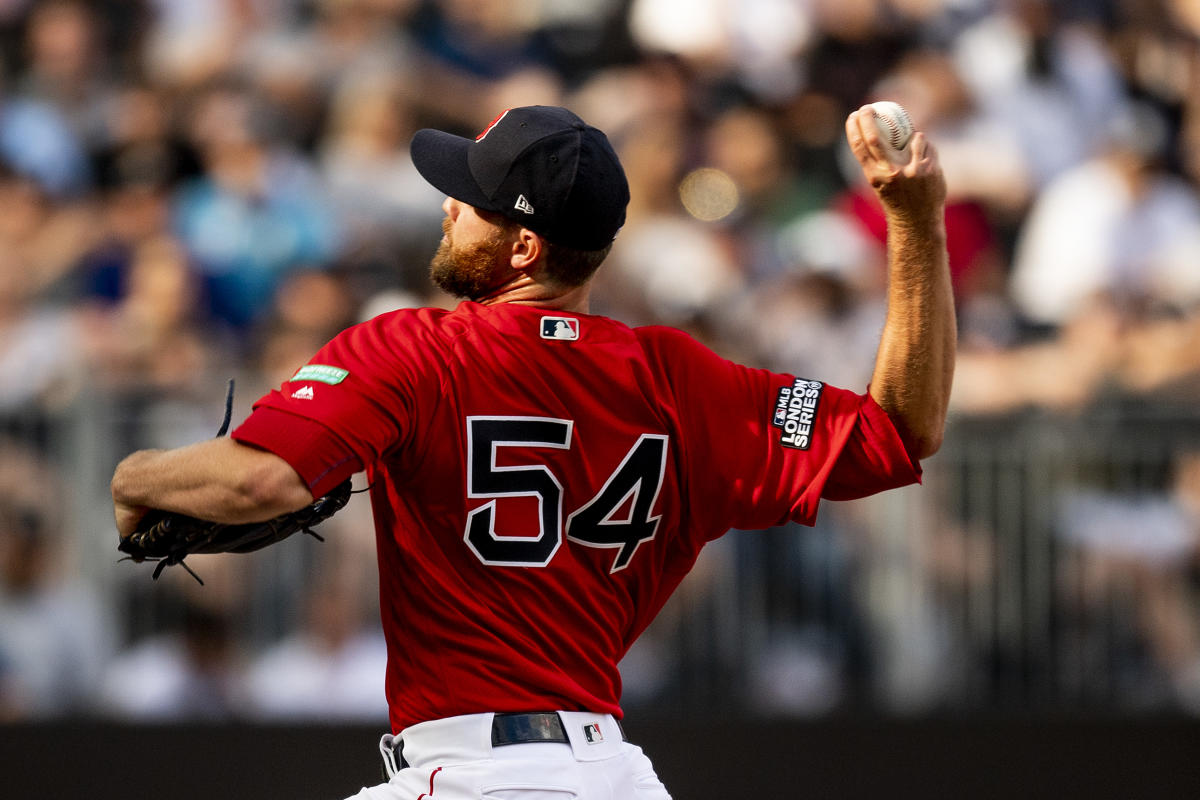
point(193, 190)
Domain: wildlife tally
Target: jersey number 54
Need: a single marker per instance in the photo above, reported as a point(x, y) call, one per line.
point(635, 484)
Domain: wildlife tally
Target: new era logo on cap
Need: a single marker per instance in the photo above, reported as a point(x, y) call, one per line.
point(523, 205)
point(562, 328)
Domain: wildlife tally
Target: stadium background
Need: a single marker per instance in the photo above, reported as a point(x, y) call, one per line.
point(193, 190)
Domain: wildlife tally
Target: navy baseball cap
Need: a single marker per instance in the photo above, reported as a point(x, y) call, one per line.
point(540, 166)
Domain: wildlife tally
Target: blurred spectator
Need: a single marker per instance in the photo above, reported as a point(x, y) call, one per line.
point(744, 146)
point(137, 172)
point(37, 144)
point(818, 318)
point(1064, 373)
point(44, 236)
point(258, 212)
point(618, 100)
point(192, 671)
point(667, 266)
point(55, 631)
point(332, 667)
point(1145, 546)
point(1101, 353)
point(856, 42)
point(66, 65)
point(752, 42)
point(151, 339)
point(39, 339)
point(391, 215)
point(1118, 224)
point(296, 69)
point(37, 344)
point(1042, 77)
point(487, 39)
point(811, 657)
point(194, 41)
point(483, 54)
point(1162, 358)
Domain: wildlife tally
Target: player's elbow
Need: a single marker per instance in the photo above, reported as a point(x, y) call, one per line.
point(924, 445)
point(921, 431)
point(922, 434)
point(268, 486)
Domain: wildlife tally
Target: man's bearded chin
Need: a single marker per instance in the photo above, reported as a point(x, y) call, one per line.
point(468, 272)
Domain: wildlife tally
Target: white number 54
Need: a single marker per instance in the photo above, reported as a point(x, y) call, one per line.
point(636, 480)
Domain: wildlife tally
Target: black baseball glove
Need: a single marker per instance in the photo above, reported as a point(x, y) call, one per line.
point(168, 537)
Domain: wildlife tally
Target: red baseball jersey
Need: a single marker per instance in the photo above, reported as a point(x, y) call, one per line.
point(542, 481)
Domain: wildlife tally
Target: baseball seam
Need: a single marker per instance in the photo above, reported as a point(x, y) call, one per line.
point(893, 128)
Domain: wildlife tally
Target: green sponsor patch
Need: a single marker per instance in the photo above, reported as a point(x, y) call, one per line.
point(321, 372)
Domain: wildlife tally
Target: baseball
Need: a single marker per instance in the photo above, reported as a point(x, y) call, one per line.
point(895, 128)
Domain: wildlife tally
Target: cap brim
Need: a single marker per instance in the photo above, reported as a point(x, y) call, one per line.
point(441, 158)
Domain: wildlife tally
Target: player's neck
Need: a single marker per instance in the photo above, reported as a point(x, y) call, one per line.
point(523, 290)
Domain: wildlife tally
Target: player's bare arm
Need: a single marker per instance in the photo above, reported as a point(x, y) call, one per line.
point(217, 479)
point(914, 367)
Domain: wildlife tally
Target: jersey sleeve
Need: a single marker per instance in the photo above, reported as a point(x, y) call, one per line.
point(873, 449)
point(761, 448)
point(349, 406)
point(317, 454)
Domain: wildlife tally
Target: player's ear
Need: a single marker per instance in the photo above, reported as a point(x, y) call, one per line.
point(528, 250)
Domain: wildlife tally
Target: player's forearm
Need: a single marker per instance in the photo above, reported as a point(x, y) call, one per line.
point(914, 367)
point(218, 480)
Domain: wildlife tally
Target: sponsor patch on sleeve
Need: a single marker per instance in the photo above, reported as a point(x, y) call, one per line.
point(321, 373)
point(795, 411)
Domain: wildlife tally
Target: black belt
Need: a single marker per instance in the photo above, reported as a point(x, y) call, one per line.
point(543, 726)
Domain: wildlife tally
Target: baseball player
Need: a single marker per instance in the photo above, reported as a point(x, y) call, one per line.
point(541, 478)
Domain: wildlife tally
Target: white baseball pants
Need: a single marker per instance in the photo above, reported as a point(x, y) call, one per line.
point(453, 759)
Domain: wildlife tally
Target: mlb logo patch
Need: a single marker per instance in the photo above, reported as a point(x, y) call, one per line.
point(564, 329)
point(592, 733)
point(781, 405)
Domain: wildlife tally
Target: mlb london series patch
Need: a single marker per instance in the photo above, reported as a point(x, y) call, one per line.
point(322, 373)
point(795, 410)
point(562, 328)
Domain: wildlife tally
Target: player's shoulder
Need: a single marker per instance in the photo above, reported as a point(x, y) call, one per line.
point(663, 334)
point(412, 336)
point(670, 342)
point(425, 316)
point(406, 323)
point(682, 359)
